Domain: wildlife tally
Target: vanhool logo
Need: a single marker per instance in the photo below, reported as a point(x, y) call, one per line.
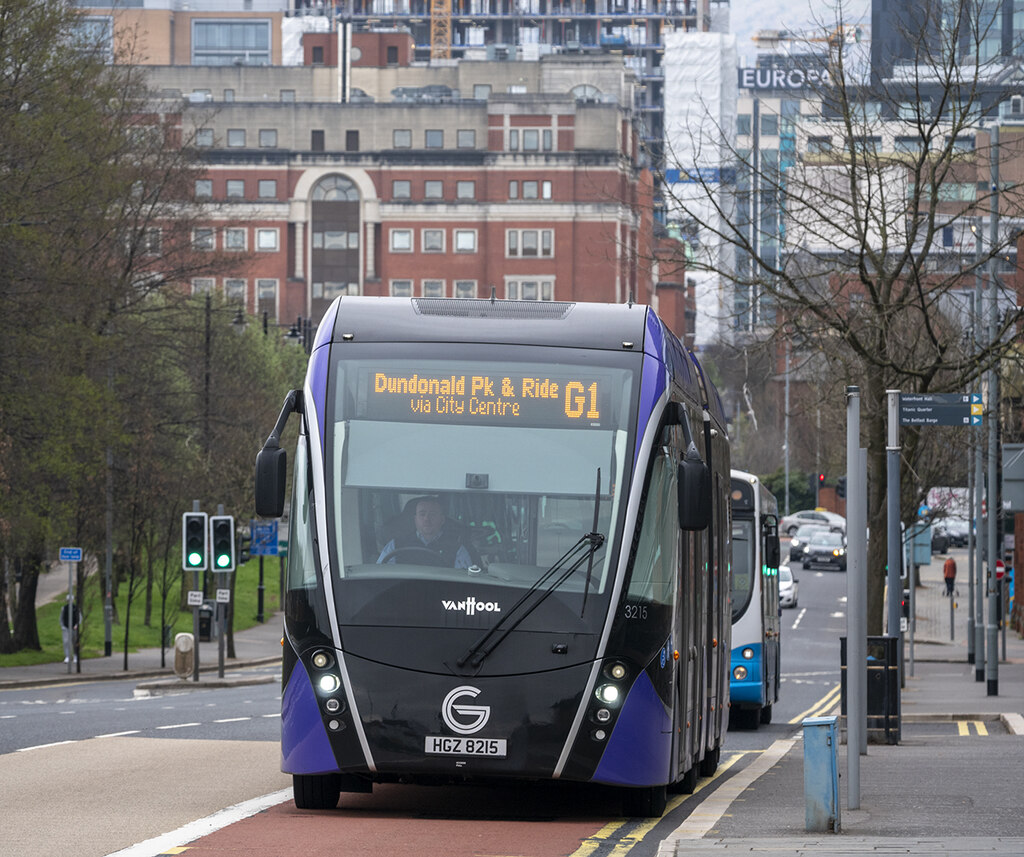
point(471, 606)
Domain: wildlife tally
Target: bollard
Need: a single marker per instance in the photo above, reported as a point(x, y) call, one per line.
point(184, 655)
point(821, 775)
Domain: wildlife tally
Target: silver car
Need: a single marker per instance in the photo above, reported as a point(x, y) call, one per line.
point(789, 587)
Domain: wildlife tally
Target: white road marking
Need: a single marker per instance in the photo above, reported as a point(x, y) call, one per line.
point(800, 616)
point(232, 719)
point(178, 725)
point(44, 746)
point(204, 826)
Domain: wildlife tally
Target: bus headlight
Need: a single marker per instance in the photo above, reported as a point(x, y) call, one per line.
point(616, 671)
point(608, 694)
point(602, 715)
point(328, 683)
point(322, 660)
point(748, 654)
point(739, 673)
point(333, 705)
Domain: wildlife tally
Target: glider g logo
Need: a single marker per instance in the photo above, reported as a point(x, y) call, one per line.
point(473, 718)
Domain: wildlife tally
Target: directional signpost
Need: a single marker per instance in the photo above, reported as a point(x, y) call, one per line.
point(941, 409)
point(263, 542)
point(71, 556)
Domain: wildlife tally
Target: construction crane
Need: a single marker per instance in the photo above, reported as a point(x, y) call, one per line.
point(840, 35)
point(440, 29)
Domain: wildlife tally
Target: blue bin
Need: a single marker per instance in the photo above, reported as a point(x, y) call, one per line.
point(821, 775)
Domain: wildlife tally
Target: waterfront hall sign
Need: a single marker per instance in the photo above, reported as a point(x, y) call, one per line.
point(791, 79)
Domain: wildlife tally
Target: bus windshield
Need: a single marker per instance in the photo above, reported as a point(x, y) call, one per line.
point(453, 468)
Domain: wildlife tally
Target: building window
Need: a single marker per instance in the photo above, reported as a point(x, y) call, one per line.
point(531, 140)
point(465, 240)
point(537, 190)
point(204, 188)
point(267, 189)
point(547, 140)
point(218, 42)
point(229, 96)
point(513, 189)
point(234, 238)
point(287, 96)
point(204, 138)
point(465, 190)
point(266, 290)
point(433, 190)
point(401, 241)
point(465, 288)
point(391, 54)
point(203, 239)
point(530, 290)
point(433, 138)
point(433, 288)
point(513, 140)
point(336, 239)
point(318, 54)
point(465, 138)
point(335, 189)
point(523, 243)
point(401, 288)
point(152, 241)
point(203, 285)
point(329, 290)
point(316, 140)
point(481, 91)
point(352, 140)
point(401, 189)
point(236, 138)
point(234, 289)
point(236, 189)
point(266, 240)
point(433, 240)
point(819, 145)
point(743, 124)
point(401, 138)
point(268, 138)
point(769, 125)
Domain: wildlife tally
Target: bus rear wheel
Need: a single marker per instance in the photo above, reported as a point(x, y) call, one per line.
point(709, 764)
point(315, 791)
point(647, 802)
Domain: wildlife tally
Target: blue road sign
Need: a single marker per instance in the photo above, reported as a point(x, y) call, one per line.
point(263, 538)
point(70, 554)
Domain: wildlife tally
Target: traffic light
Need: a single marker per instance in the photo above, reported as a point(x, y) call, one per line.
point(821, 480)
point(244, 549)
point(905, 604)
point(222, 538)
point(193, 541)
point(841, 487)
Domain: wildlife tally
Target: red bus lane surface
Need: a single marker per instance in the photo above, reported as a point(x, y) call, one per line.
point(524, 820)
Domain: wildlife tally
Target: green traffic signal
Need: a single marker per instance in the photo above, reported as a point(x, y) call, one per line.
point(193, 541)
point(222, 533)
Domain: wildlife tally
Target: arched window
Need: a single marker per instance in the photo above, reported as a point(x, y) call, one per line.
point(335, 189)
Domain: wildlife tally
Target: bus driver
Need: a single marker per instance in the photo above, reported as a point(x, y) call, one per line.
point(429, 537)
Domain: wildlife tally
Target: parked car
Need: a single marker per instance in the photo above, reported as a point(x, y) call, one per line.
point(954, 529)
point(789, 587)
point(825, 549)
point(801, 537)
point(790, 523)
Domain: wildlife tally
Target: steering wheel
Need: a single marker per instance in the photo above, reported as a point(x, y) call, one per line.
point(423, 555)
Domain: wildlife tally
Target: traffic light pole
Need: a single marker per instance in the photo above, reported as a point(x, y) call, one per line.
point(195, 616)
point(892, 467)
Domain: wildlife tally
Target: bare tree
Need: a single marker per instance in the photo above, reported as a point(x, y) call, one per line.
point(885, 226)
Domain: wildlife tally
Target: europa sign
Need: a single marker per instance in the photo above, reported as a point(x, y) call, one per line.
point(792, 79)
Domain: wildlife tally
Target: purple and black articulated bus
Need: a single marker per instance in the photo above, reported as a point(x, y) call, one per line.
point(509, 548)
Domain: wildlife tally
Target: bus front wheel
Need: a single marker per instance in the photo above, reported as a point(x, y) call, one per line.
point(315, 791)
point(645, 802)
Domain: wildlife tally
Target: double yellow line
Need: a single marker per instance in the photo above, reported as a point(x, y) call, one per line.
point(826, 705)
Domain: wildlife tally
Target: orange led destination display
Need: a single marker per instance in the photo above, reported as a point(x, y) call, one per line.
point(544, 400)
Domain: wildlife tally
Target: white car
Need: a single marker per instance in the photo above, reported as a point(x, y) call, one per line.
point(789, 524)
point(789, 587)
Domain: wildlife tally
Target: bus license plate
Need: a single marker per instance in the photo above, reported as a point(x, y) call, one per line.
point(447, 746)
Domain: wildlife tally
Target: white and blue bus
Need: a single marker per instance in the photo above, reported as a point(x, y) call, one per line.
point(756, 625)
point(571, 619)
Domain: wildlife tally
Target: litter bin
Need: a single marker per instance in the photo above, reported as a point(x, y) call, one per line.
point(821, 775)
point(883, 688)
point(206, 622)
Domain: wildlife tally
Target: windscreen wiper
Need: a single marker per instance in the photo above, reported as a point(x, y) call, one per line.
point(583, 551)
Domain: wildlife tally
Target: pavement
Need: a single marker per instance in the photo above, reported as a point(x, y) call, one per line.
point(953, 785)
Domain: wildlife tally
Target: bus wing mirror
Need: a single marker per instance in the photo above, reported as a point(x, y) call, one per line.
point(271, 475)
point(272, 463)
point(694, 491)
point(772, 552)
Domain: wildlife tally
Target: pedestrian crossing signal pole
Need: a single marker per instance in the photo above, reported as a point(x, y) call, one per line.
point(194, 550)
